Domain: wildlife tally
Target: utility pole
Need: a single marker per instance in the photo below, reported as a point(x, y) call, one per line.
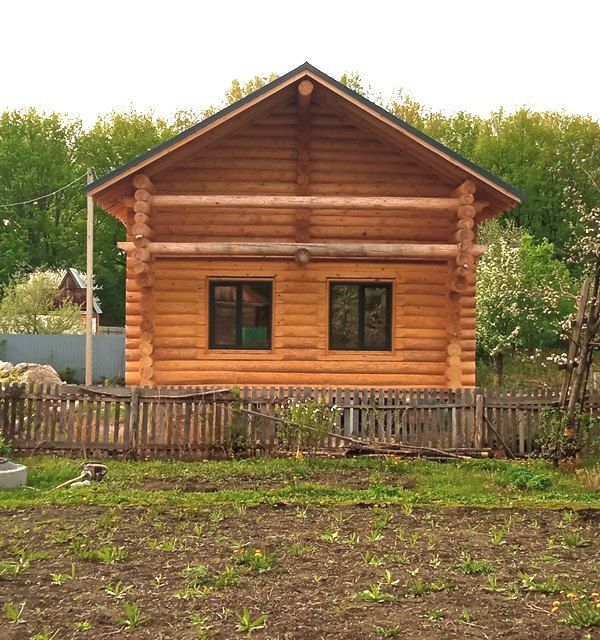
point(89, 284)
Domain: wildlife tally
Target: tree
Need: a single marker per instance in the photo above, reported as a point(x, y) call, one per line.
point(32, 304)
point(236, 91)
point(112, 141)
point(523, 293)
point(37, 157)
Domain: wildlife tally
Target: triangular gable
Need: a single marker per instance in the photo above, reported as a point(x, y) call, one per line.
point(110, 189)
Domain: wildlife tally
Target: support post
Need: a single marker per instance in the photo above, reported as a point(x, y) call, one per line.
point(89, 285)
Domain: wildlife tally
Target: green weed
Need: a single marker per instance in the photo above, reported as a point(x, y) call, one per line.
point(132, 617)
point(248, 624)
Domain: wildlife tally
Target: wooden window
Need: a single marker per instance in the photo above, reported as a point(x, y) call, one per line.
point(240, 314)
point(360, 316)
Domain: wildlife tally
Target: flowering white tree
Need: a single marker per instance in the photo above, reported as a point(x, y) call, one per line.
point(523, 293)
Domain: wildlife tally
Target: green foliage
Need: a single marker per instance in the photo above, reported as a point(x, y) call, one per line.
point(37, 156)
point(375, 593)
point(470, 566)
point(246, 623)
point(524, 477)
point(258, 481)
point(257, 559)
point(5, 448)
point(32, 304)
point(558, 441)
point(132, 617)
point(581, 612)
point(418, 587)
point(14, 612)
point(523, 292)
point(306, 423)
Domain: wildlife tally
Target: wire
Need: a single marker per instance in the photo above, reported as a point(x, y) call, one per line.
point(16, 204)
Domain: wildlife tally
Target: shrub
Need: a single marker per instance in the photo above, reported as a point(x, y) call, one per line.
point(306, 422)
point(524, 477)
point(558, 441)
point(5, 448)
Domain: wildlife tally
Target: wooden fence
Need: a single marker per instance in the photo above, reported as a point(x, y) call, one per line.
point(188, 423)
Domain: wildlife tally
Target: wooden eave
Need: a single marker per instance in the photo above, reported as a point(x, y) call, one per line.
point(111, 190)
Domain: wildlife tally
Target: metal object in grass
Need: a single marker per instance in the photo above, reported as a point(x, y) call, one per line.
point(90, 472)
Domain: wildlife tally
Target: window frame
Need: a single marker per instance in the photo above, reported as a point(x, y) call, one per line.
point(239, 284)
point(362, 285)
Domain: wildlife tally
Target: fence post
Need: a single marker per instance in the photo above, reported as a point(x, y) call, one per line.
point(134, 418)
point(479, 400)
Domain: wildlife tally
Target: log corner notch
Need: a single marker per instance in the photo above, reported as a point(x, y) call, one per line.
point(305, 92)
point(460, 269)
point(143, 269)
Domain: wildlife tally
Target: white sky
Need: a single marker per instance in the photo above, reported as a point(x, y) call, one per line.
point(87, 58)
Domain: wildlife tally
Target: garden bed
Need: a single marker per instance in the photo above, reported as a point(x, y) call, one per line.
point(206, 550)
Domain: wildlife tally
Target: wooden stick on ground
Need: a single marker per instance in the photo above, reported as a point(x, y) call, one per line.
point(506, 448)
point(362, 444)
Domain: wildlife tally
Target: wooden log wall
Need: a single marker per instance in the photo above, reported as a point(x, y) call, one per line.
point(302, 148)
point(300, 354)
point(461, 281)
point(289, 152)
point(142, 265)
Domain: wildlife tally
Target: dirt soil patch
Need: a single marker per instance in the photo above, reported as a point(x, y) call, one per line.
point(314, 572)
point(358, 478)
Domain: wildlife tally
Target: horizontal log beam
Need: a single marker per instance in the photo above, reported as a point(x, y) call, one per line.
point(375, 251)
point(305, 202)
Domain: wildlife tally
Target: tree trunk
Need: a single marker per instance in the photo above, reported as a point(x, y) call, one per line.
point(499, 364)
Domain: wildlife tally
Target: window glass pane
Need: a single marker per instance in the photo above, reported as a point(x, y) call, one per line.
point(344, 316)
point(256, 315)
point(376, 314)
point(223, 315)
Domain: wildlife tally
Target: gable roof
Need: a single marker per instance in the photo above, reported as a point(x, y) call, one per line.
point(508, 192)
point(80, 282)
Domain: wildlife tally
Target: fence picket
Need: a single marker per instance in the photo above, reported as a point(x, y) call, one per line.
point(180, 421)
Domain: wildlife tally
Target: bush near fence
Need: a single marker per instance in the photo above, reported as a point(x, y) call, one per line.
point(192, 422)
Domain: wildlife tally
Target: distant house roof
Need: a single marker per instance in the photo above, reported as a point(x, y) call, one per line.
point(80, 283)
point(507, 195)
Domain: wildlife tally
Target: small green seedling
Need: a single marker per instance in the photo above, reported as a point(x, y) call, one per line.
point(247, 624)
point(474, 567)
point(132, 618)
point(59, 578)
point(375, 594)
point(257, 559)
point(14, 612)
point(118, 589)
point(435, 615)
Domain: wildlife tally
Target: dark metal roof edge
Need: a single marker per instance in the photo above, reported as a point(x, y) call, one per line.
point(417, 132)
point(306, 66)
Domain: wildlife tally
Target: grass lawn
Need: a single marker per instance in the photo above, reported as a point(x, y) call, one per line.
point(287, 549)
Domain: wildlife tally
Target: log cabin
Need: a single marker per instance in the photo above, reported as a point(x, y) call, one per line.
point(301, 236)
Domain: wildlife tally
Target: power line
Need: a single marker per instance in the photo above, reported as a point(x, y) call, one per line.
point(16, 204)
